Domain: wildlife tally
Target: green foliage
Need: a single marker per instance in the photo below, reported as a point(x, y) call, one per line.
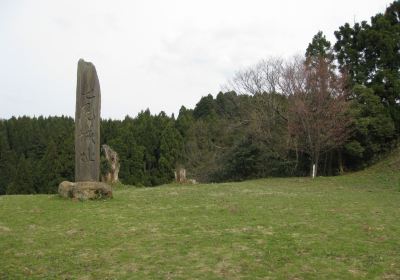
point(354, 149)
point(245, 138)
point(227, 104)
point(22, 182)
point(251, 159)
point(184, 121)
point(370, 52)
point(149, 146)
point(131, 155)
point(205, 107)
point(48, 173)
point(373, 128)
point(319, 47)
point(171, 149)
point(7, 160)
point(40, 149)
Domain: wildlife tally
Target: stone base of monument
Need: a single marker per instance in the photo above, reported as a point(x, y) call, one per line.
point(85, 190)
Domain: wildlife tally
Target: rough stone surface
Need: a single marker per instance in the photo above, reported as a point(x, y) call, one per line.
point(65, 188)
point(85, 190)
point(87, 123)
point(111, 175)
point(180, 175)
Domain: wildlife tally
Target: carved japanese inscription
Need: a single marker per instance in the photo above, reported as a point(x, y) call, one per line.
point(87, 123)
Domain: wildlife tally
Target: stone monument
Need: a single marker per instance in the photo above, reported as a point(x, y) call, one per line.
point(87, 139)
point(87, 124)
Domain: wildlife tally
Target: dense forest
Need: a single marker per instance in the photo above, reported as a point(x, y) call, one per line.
point(338, 107)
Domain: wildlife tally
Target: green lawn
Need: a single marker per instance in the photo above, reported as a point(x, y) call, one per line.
point(345, 227)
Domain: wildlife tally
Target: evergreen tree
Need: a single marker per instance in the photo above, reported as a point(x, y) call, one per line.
point(22, 182)
point(131, 157)
point(184, 121)
point(7, 160)
point(373, 128)
point(205, 107)
point(227, 104)
point(171, 148)
point(371, 54)
point(319, 47)
point(49, 175)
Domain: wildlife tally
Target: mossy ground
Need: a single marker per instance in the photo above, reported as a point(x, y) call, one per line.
point(344, 227)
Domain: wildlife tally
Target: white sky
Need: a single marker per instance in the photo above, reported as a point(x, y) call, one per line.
point(151, 53)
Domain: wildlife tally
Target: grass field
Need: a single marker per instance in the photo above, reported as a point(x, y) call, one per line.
point(345, 227)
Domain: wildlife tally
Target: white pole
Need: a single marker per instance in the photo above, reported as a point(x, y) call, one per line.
point(313, 171)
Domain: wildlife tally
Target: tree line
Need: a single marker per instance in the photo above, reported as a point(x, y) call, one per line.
point(337, 108)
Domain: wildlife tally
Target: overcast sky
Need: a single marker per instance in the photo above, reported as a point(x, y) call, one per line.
point(156, 54)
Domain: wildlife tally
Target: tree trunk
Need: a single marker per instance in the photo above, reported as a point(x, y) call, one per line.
point(297, 158)
point(316, 162)
point(340, 161)
point(311, 168)
point(325, 163)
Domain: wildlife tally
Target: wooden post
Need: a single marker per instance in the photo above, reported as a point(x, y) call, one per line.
point(313, 171)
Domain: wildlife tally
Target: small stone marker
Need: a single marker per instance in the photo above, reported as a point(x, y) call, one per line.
point(87, 139)
point(180, 175)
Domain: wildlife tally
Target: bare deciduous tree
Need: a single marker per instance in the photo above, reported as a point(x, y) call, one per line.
point(318, 109)
point(267, 117)
point(265, 76)
point(301, 104)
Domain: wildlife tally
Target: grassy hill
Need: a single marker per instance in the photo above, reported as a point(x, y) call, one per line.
point(345, 227)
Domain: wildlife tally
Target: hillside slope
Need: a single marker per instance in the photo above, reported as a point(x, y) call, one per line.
point(344, 227)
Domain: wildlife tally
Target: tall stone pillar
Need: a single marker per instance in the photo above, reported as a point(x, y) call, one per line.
point(87, 124)
point(87, 139)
